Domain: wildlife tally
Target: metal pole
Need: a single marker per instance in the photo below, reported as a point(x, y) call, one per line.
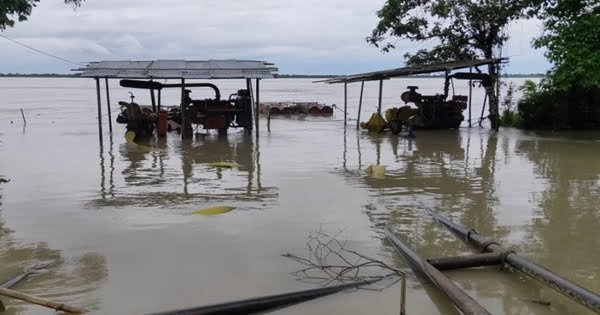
point(183, 107)
point(99, 110)
point(380, 92)
point(470, 94)
point(265, 303)
point(462, 300)
point(257, 111)
point(362, 88)
point(108, 105)
point(249, 88)
point(466, 261)
point(572, 290)
point(153, 100)
point(345, 103)
point(159, 99)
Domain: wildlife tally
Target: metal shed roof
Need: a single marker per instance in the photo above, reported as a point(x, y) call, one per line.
point(406, 71)
point(179, 69)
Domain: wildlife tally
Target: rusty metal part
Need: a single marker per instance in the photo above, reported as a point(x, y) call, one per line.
point(568, 288)
point(466, 261)
point(462, 300)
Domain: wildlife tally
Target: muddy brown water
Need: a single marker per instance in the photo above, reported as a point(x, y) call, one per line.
point(117, 223)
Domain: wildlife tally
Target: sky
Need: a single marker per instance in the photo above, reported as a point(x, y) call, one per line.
point(299, 36)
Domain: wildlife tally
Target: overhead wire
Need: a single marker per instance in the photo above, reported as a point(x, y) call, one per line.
point(41, 51)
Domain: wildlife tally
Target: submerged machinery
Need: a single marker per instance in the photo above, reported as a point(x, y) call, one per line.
point(211, 113)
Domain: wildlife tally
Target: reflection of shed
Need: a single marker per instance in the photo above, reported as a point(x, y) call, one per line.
point(176, 69)
point(445, 67)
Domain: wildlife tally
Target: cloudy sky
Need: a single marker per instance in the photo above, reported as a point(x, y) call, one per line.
point(300, 36)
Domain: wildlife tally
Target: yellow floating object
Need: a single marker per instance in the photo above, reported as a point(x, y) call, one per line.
point(129, 136)
point(213, 210)
point(376, 171)
point(223, 164)
point(375, 123)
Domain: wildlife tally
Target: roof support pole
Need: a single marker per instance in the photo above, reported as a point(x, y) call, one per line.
point(159, 101)
point(380, 93)
point(257, 111)
point(99, 110)
point(249, 88)
point(183, 109)
point(345, 103)
point(108, 105)
point(470, 94)
point(362, 88)
point(153, 100)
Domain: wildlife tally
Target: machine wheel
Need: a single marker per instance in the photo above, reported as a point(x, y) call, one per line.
point(223, 132)
point(395, 127)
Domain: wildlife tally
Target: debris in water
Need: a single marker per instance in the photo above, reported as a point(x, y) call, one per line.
point(224, 164)
point(213, 210)
point(376, 171)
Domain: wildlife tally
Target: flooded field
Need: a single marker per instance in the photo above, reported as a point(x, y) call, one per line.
point(116, 220)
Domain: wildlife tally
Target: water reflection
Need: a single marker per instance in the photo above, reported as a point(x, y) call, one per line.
point(567, 209)
point(72, 280)
point(171, 171)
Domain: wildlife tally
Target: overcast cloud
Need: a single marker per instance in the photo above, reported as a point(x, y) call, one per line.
point(300, 36)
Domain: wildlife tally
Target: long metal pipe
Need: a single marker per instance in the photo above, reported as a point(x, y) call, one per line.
point(265, 303)
point(362, 88)
point(462, 300)
point(108, 105)
point(99, 109)
point(470, 94)
point(466, 261)
point(572, 290)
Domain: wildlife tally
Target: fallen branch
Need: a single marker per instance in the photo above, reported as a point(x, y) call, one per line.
point(41, 301)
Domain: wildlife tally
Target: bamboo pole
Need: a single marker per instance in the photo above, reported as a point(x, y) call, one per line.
point(571, 290)
point(41, 301)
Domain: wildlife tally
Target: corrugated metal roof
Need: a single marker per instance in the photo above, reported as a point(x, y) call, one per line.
point(406, 71)
point(175, 69)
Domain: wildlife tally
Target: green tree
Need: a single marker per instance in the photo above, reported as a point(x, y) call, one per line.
point(457, 29)
point(19, 10)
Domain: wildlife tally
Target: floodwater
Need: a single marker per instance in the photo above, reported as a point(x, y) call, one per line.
point(116, 220)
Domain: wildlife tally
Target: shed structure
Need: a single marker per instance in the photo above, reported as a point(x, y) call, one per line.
point(176, 69)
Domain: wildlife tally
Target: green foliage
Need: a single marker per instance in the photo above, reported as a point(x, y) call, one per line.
point(569, 98)
point(19, 10)
point(459, 29)
point(546, 106)
point(572, 41)
point(508, 118)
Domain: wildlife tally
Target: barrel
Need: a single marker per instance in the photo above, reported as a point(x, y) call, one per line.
point(161, 128)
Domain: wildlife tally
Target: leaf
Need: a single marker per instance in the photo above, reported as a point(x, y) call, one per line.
point(213, 210)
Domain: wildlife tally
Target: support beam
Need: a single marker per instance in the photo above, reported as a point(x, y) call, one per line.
point(159, 99)
point(153, 100)
point(470, 94)
point(570, 289)
point(362, 88)
point(108, 105)
point(252, 108)
point(466, 261)
point(345, 103)
point(99, 109)
point(380, 93)
point(183, 107)
point(465, 303)
point(257, 111)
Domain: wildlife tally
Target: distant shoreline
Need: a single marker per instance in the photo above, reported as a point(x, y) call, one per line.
point(279, 76)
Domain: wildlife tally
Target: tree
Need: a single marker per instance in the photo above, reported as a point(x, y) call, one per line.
point(458, 29)
point(572, 41)
point(20, 10)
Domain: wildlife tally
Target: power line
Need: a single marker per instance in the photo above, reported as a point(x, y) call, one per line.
point(40, 51)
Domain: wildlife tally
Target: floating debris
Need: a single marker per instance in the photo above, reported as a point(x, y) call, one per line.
point(213, 210)
point(224, 164)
